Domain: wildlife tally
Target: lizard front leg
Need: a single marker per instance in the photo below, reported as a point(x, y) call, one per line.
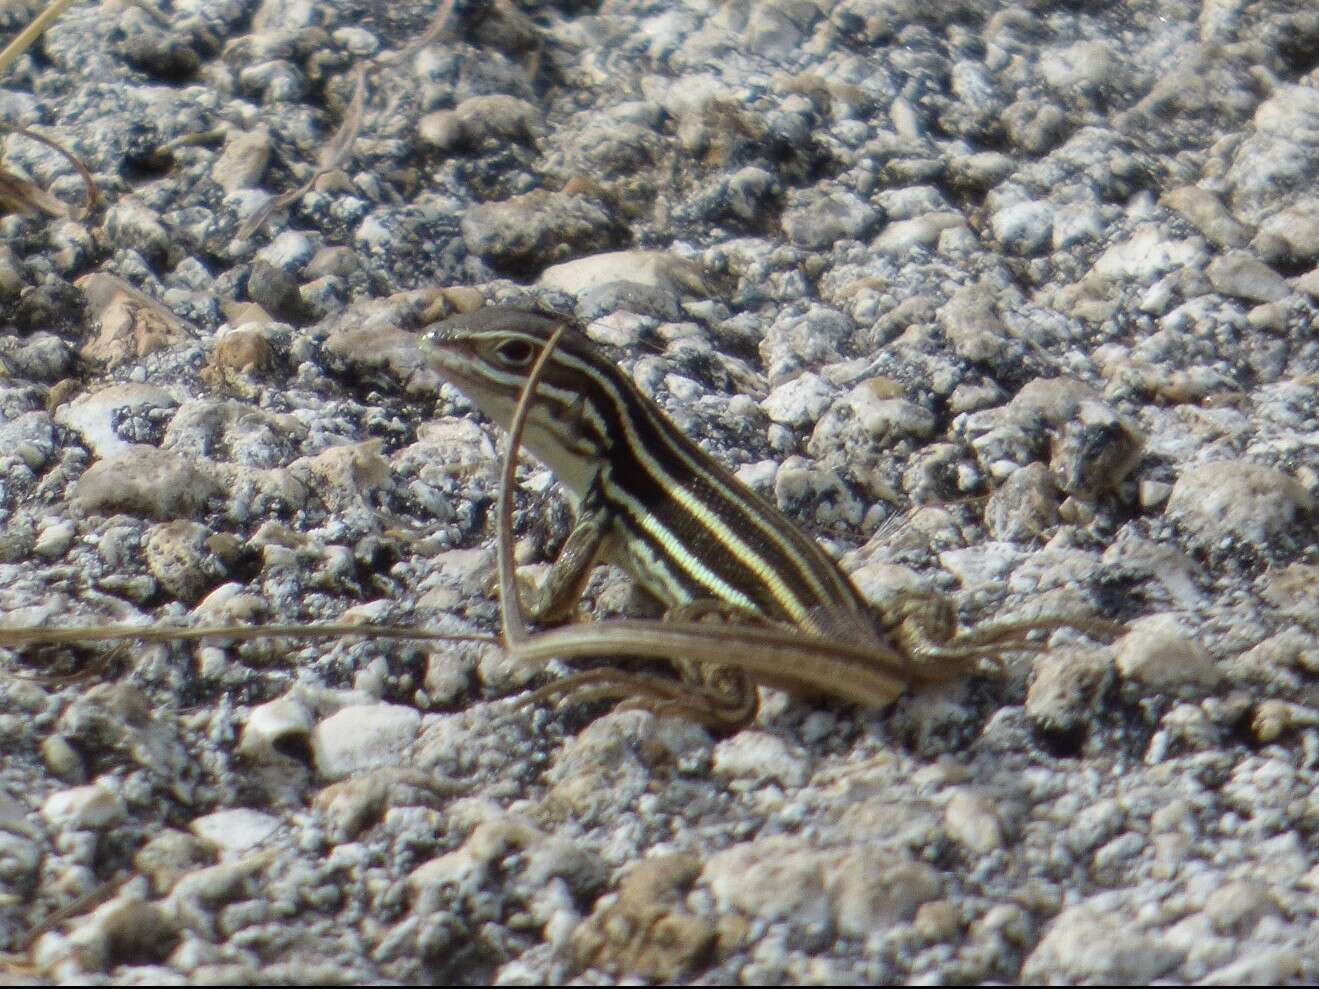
point(552, 601)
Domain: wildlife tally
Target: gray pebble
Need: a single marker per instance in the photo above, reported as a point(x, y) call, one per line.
point(1089, 943)
point(1236, 499)
point(83, 808)
point(799, 402)
point(1206, 213)
point(1290, 235)
point(362, 736)
point(242, 163)
point(818, 221)
point(179, 557)
point(1158, 653)
point(758, 757)
point(973, 822)
point(1243, 277)
point(146, 482)
point(537, 229)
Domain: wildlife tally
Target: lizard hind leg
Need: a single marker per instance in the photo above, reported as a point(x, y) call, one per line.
point(730, 690)
point(661, 695)
point(723, 698)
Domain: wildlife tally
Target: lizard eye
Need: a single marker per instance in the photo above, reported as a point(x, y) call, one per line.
point(515, 353)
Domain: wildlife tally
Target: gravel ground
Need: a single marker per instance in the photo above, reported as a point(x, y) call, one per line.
point(1039, 280)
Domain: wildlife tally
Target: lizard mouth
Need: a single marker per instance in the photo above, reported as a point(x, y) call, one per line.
point(451, 358)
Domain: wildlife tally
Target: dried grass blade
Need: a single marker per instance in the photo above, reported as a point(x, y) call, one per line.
point(13, 638)
point(19, 195)
point(510, 605)
point(334, 154)
point(23, 41)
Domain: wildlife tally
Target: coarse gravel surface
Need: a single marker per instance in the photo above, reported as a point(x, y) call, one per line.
point(1038, 281)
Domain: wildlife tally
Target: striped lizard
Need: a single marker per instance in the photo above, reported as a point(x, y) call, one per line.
point(651, 501)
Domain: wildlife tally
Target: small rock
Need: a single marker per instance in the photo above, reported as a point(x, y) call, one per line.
point(1025, 506)
point(178, 555)
point(21, 858)
point(973, 822)
point(628, 297)
point(657, 269)
point(346, 476)
point(532, 231)
point(480, 118)
point(1035, 126)
point(802, 341)
point(338, 261)
point(127, 324)
point(1235, 908)
point(236, 829)
point(853, 889)
point(609, 765)
point(981, 170)
point(1236, 499)
point(1204, 211)
point(975, 329)
point(1290, 235)
point(1094, 449)
point(62, 759)
point(242, 163)
point(1271, 316)
point(95, 415)
point(937, 921)
point(1095, 826)
point(872, 893)
point(1243, 277)
point(198, 895)
point(1309, 283)
point(1147, 254)
point(758, 756)
point(904, 236)
point(146, 482)
point(356, 40)
point(83, 808)
point(124, 931)
point(775, 879)
point(169, 856)
point(1024, 228)
point(645, 931)
point(1084, 68)
point(1077, 223)
point(887, 419)
point(159, 54)
point(277, 292)
point(132, 225)
point(1274, 719)
point(1293, 590)
point(490, 847)
point(239, 352)
point(1060, 699)
point(1264, 965)
point(54, 539)
point(363, 736)
point(354, 804)
point(277, 730)
point(1087, 945)
point(820, 220)
point(800, 402)
point(275, 81)
point(1159, 653)
point(117, 718)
